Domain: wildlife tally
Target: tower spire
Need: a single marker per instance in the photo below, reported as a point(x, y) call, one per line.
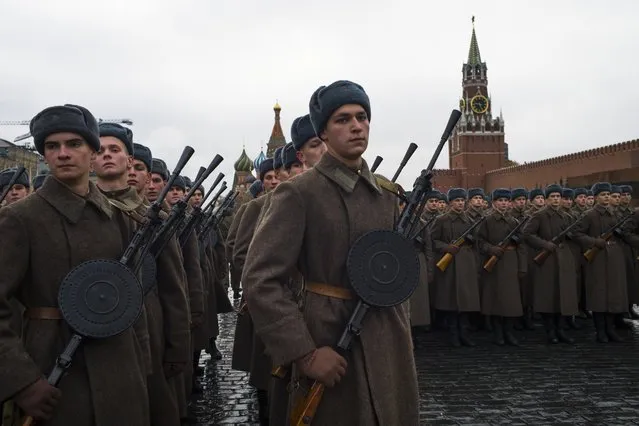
point(474, 58)
point(277, 138)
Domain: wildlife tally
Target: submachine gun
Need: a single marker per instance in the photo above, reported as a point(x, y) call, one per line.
point(392, 278)
point(511, 238)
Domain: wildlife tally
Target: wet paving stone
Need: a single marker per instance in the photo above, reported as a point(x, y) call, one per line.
point(535, 384)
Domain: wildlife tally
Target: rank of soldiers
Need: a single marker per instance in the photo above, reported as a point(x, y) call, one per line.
point(110, 290)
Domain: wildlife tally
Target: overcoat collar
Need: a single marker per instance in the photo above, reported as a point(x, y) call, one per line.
point(69, 204)
point(345, 177)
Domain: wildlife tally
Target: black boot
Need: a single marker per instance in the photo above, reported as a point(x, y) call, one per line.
point(463, 331)
point(600, 326)
point(488, 325)
point(610, 328)
point(528, 318)
point(549, 325)
point(620, 323)
point(453, 329)
point(498, 330)
point(571, 321)
point(509, 337)
point(262, 404)
point(561, 329)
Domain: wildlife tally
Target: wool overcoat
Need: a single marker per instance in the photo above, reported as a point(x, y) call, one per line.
point(45, 236)
point(420, 299)
point(327, 209)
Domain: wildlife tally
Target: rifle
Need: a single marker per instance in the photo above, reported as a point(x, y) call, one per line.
point(490, 263)
point(447, 258)
point(185, 231)
point(138, 244)
point(302, 414)
point(593, 251)
point(543, 255)
point(14, 179)
point(215, 217)
point(376, 163)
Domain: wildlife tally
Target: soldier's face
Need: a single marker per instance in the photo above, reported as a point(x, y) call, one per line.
point(295, 169)
point(346, 133)
point(580, 200)
point(566, 203)
point(625, 199)
point(139, 176)
point(113, 161)
point(270, 181)
point(16, 193)
point(282, 174)
point(196, 198)
point(68, 156)
point(501, 204)
point(155, 186)
point(175, 194)
point(311, 152)
point(539, 201)
point(442, 205)
point(477, 201)
point(603, 198)
point(520, 202)
point(432, 204)
point(590, 200)
point(554, 199)
point(458, 204)
point(615, 199)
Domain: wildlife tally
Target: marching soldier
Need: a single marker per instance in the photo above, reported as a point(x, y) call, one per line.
point(567, 205)
point(107, 374)
point(457, 288)
point(309, 147)
point(590, 199)
point(579, 206)
point(20, 188)
point(501, 298)
point(520, 211)
point(340, 115)
point(537, 200)
point(606, 286)
point(442, 205)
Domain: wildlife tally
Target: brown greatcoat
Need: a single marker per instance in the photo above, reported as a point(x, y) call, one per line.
point(420, 299)
point(526, 283)
point(167, 316)
point(457, 287)
point(44, 236)
point(380, 385)
point(236, 274)
point(500, 287)
point(555, 281)
point(630, 257)
point(606, 287)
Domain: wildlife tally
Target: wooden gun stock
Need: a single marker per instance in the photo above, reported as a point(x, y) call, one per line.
point(490, 263)
point(279, 372)
point(303, 413)
point(444, 262)
point(28, 421)
point(541, 257)
point(591, 253)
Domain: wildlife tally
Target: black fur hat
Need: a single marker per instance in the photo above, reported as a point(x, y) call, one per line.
point(472, 192)
point(327, 99)
point(117, 131)
point(550, 189)
point(65, 118)
point(600, 187)
point(501, 193)
point(455, 193)
point(519, 192)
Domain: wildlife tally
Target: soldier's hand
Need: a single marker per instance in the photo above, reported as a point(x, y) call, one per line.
point(469, 239)
point(172, 369)
point(496, 251)
point(452, 249)
point(600, 243)
point(551, 247)
point(325, 365)
point(39, 399)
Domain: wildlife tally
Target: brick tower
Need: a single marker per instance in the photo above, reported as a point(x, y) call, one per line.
point(277, 138)
point(477, 144)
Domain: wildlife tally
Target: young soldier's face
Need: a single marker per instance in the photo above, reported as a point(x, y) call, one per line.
point(603, 198)
point(590, 200)
point(519, 202)
point(16, 193)
point(175, 194)
point(501, 204)
point(196, 198)
point(458, 204)
point(346, 132)
point(112, 160)
point(432, 204)
point(311, 152)
point(615, 199)
point(625, 199)
point(295, 169)
point(156, 185)
point(477, 201)
point(270, 181)
point(139, 176)
point(68, 156)
point(580, 200)
point(441, 205)
point(566, 203)
point(539, 201)
point(554, 199)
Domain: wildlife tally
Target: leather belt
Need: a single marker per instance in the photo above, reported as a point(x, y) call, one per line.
point(45, 313)
point(329, 290)
point(509, 248)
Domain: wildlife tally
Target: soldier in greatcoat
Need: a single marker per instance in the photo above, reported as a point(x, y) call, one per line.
point(555, 280)
point(567, 203)
point(457, 287)
point(501, 298)
point(579, 205)
point(606, 287)
point(630, 256)
point(66, 222)
point(579, 208)
point(316, 238)
point(20, 188)
point(590, 199)
point(442, 205)
point(519, 211)
point(309, 147)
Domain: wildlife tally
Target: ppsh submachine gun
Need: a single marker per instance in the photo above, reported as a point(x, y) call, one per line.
point(513, 238)
point(103, 298)
point(383, 270)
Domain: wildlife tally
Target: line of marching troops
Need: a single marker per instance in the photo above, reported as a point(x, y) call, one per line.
point(58, 220)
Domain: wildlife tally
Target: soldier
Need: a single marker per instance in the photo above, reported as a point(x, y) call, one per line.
point(555, 281)
point(579, 206)
point(605, 275)
point(501, 300)
point(80, 225)
point(475, 208)
point(309, 147)
point(278, 165)
point(340, 115)
point(520, 196)
point(537, 200)
point(567, 205)
point(20, 188)
point(590, 199)
point(292, 164)
point(122, 177)
point(457, 287)
point(442, 205)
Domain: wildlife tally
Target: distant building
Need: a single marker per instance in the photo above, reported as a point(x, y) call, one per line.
point(277, 138)
point(12, 155)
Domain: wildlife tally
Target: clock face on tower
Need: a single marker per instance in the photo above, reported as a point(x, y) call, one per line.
point(479, 104)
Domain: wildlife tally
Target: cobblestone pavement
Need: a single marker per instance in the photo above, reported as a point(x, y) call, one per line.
point(586, 383)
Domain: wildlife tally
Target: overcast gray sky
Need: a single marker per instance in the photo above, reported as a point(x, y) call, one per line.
point(207, 73)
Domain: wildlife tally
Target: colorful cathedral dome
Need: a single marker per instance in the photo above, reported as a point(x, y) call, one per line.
point(244, 163)
point(258, 160)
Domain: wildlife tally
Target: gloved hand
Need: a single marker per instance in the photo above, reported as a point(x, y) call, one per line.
point(600, 243)
point(39, 399)
point(498, 252)
point(551, 247)
point(451, 249)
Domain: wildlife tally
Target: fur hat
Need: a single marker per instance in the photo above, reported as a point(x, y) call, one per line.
point(534, 193)
point(600, 187)
point(472, 192)
point(289, 155)
point(302, 131)
point(455, 193)
point(117, 131)
point(266, 166)
point(277, 158)
point(39, 180)
point(7, 174)
point(256, 188)
point(568, 193)
point(66, 118)
point(550, 189)
point(434, 194)
point(615, 189)
point(143, 154)
point(580, 191)
point(501, 193)
point(626, 189)
point(328, 99)
point(518, 193)
point(180, 182)
point(159, 167)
